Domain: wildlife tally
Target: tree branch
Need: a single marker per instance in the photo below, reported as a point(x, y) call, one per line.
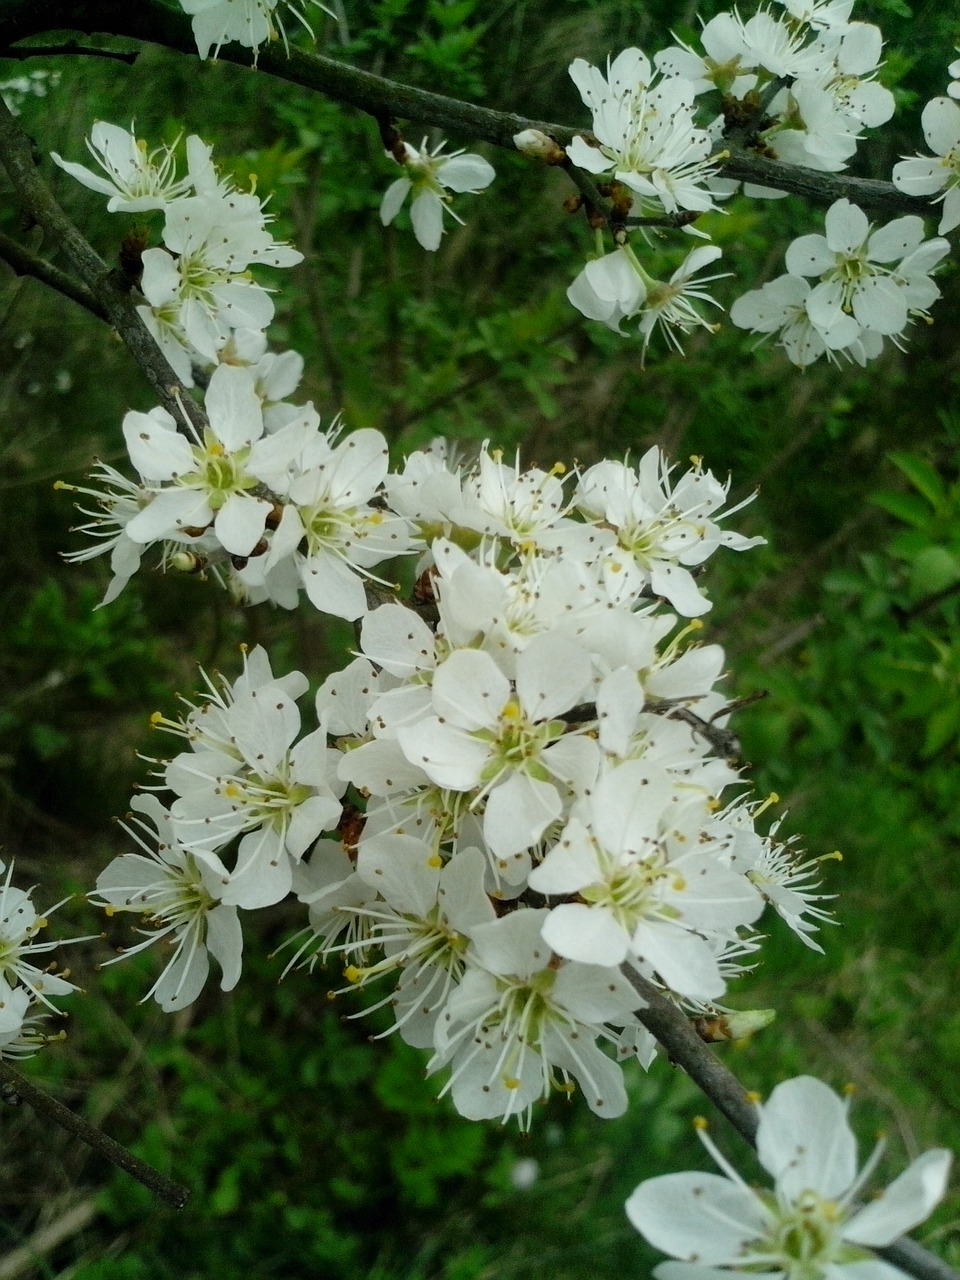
point(18, 1086)
point(25, 263)
point(378, 96)
point(73, 50)
point(686, 1049)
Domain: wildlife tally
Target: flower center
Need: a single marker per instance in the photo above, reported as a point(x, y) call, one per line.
point(805, 1238)
point(218, 473)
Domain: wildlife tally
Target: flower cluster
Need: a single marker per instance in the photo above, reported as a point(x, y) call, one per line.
point(810, 1225)
point(265, 499)
point(245, 782)
point(200, 296)
point(644, 133)
point(803, 82)
point(813, 68)
point(514, 797)
point(26, 989)
point(869, 285)
point(656, 131)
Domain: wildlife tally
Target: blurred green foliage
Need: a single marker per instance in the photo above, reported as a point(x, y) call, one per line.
point(311, 1149)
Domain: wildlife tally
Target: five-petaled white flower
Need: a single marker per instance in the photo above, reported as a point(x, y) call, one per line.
point(178, 895)
point(137, 179)
point(430, 175)
point(928, 175)
point(810, 1227)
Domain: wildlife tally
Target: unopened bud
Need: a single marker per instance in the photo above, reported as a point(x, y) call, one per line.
point(536, 144)
point(734, 1025)
point(186, 562)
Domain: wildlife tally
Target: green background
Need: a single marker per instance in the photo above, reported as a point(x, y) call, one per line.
point(312, 1149)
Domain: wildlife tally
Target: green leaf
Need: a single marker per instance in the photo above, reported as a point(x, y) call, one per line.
point(933, 570)
point(921, 475)
point(905, 506)
point(226, 1194)
point(942, 728)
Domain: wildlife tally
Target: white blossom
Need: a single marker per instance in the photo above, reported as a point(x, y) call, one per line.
point(644, 133)
point(20, 947)
point(662, 530)
point(178, 894)
point(810, 1224)
point(344, 536)
point(430, 175)
point(853, 263)
point(517, 1026)
point(248, 22)
point(212, 482)
point(940, 173)
point(137, 178)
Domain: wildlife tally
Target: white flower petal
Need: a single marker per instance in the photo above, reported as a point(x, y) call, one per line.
point(702, 1217)
point(804, 1140)
point(908, 1201)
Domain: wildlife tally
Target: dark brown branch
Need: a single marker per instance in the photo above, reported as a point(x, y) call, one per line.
point(119, 306)
point(51, 1109)
point(383, 98)
point(25, 263)
point(73, 50)
point(724, 742)
point(686, 1049)
point(824, 188)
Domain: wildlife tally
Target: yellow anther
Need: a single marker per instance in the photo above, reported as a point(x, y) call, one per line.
point(771, 799)
point(700, 1123)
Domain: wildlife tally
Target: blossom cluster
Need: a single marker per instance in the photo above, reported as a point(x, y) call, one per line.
point(810, 1225)
point(26, 989)
point(515, 795)
point(795, 83)
point(201, 300)
point(870, 284)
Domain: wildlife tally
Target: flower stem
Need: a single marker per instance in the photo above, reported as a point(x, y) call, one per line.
point(17, 1086)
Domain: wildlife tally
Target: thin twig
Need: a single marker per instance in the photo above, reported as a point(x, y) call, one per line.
point(50, 1108)
point(73, 50)
point(25, 263)
point(686, 1049)
point(375, 95)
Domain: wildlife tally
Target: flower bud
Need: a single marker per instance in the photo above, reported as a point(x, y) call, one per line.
point(536, 144)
